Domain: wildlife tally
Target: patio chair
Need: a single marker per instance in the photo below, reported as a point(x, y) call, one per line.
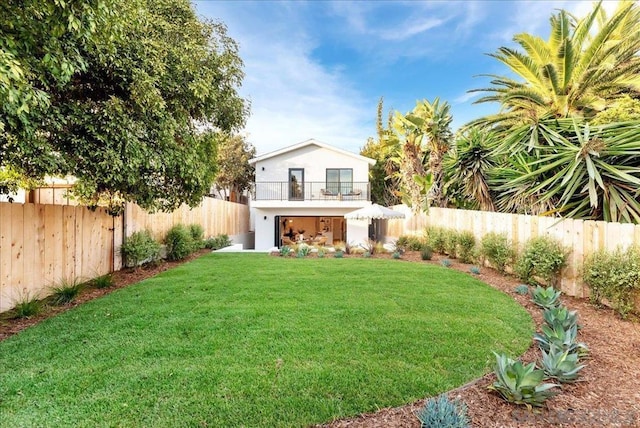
point(327, 193)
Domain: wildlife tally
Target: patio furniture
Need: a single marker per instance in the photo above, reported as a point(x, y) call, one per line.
point(327, 193)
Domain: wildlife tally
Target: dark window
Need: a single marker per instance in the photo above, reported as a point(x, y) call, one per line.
point(296, 184)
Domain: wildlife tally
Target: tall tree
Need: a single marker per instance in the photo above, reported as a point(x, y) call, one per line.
point(383, 176)
point(583, 68)
point(126, 120)
point(235, 174)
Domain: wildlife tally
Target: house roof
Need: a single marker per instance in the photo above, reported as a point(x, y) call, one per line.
point(310, 142)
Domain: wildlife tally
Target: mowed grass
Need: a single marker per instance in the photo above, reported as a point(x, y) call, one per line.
point(258, 341)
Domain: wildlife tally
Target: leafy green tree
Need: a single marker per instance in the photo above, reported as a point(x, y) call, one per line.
point(584, 67)
point(235, 175)
point(383, 176)
point(126, 120)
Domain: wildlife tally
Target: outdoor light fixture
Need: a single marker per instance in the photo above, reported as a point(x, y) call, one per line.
point(263, 168)
point(265, 217)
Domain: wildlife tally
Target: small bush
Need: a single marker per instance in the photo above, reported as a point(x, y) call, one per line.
point(426, 252)
point(304, 250)
point(522, 289)
point(436, 238)
point(446, 263)
point(497, 248)
point(402, 243)
point(197, 235)
point(380, 248)
point(338, 254)
point(140, 248)
point(321, 252)
point(179, 242)
point(217, 242)
point(415, 243)
point(474, 270)
point(66, 292)
point(466, 246)
point(26, 307)
point(103, 281)
point(451, 243)
point(442, 413)
point(542, 257)
point(396, 255)
point(285, 251)
point(614, 276)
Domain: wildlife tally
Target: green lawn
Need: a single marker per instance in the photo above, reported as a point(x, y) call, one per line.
point(258, 341)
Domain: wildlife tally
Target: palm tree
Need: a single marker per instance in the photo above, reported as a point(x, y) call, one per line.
point(583, 68)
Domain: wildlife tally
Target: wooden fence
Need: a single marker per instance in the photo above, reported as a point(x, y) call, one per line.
point(43, 245)
point(581, 237)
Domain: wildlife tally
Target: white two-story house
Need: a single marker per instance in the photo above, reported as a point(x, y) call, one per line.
point(302, 193)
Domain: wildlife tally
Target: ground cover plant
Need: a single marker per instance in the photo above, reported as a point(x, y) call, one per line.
point(259, 341)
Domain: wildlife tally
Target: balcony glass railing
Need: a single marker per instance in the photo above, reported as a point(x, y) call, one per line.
point(310, 191)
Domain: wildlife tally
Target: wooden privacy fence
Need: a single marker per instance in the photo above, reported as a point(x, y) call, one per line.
point(42, 246)
point(581, 237)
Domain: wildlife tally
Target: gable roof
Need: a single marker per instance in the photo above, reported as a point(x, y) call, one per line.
point(311, 142)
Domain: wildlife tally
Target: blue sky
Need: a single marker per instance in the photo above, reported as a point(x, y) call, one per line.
point(316, 69)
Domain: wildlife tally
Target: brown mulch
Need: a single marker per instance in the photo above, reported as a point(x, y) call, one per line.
point(608, 396)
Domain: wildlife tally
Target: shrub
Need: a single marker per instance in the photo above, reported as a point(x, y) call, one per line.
point(466, 246)
point(426, 252)
point(436, 238)
point(474, 270)
point(103, 281)
point(285, 251)
point(415, 243)
point(370, 246)
point(446, 263)
point(614, 276)
point(402, 243)
point(321, 252)
point(561, 365)
point(451, 243)
point(522, 289)
point(304, 250)
point(27, 306)
point(396, 255)
point(545, 297)
point(140, 248)
point(217, 242)
point(338, 254)
point(441, 412)
point(197, 235)
point(497, 248)
point(542, 257)
point(179, 242)
point(520, 384)
point(66, 292)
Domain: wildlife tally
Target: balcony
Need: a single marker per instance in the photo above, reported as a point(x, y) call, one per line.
point(311, 191)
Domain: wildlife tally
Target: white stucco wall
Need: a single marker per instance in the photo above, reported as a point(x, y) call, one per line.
point(357, 232)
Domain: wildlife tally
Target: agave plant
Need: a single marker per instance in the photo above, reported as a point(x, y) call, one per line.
point(561, 365)
point(545, 297)
point(520, 384)
point(442, 413)
point(561, 316)
point(566, 340)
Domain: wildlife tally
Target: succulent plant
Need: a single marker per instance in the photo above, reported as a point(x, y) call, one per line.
point(426, 252)
point(338, 254)
point(445, 262)
point(366, 254)
point(285, 251)
point(474, 270)
point(396, 254)
point(522, 289)
point(566, 340)
point(561, 316)
point(561, 365)
point(545, 297)
point(442, 413)
point(520, 384)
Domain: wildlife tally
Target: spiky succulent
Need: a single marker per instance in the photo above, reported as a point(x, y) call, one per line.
point(520, 384)
point(566, 340)
point(562, 317)
point(545, 297)
point(561, 365)
point(522, 289)
point(442, 413)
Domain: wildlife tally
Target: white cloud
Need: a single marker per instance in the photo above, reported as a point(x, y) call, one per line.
point(467, 96)
point(409, 30)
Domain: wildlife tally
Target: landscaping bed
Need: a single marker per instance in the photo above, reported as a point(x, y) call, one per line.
point(607, 396)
